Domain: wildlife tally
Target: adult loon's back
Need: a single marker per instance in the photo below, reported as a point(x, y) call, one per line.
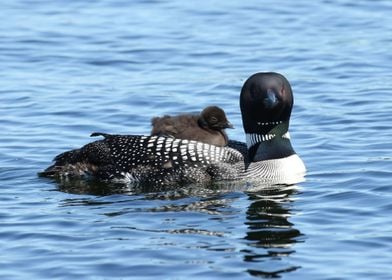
point(266, 101)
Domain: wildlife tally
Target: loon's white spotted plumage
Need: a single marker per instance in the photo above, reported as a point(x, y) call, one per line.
point(266, 101)
point(151, 159)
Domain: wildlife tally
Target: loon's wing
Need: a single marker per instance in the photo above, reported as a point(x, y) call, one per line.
point(239, 146)
point(149, 159)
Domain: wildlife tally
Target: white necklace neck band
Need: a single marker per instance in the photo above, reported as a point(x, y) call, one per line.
point(254, 138)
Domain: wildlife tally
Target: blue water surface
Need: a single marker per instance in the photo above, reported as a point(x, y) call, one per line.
point(69, 68)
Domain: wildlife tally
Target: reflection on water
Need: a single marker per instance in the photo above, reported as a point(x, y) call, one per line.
point(111, 66)
point(269, 236)
point(269, 229)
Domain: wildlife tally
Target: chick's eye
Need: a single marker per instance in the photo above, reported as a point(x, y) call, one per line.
point(213, 119)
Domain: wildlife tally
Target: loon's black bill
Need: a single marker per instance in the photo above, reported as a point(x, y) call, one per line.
point(270, 101)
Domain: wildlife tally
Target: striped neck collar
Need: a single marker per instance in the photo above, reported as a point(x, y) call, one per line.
point(254, 138)
point(278, 130)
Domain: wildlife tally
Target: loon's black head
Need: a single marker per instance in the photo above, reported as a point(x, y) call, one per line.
point(266, 100)
point(215, 118)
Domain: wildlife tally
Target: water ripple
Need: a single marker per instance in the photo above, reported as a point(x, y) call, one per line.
point(71, 69)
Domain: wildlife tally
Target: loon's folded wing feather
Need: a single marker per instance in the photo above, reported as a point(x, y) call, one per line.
point(151, 159)
point(239, 146)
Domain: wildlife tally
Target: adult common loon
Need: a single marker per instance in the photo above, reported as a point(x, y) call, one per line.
point(266, 101)
point(207, 127)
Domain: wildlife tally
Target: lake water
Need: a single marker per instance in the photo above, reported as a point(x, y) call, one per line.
point(69, 68)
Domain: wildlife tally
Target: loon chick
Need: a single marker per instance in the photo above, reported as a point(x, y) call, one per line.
point(266, 102)
point(207, 127)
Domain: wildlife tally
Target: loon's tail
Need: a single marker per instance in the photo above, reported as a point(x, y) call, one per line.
point(60, 162)
point(51, 171)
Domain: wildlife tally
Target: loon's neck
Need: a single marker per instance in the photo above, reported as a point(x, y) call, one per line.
point(273, 144)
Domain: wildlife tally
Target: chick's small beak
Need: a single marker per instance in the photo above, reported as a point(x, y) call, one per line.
point(229, 125)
